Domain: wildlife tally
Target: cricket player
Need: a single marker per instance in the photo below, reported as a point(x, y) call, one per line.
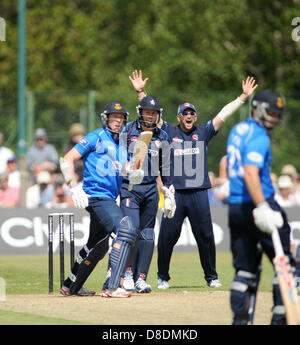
point(105, 155)
point(253, 212)
point(141, 203)
point(191, 182)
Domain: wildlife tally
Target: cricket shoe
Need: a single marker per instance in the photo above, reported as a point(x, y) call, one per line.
point(162, 284)
point(117, 293)
point(128, 282)
point(82, 292)
point(214, 283)
point(141, 286)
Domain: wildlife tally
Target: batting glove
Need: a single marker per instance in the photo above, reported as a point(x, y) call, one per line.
point(266, 219)
point(170, 203)
point(79, 197)
point(135, 176)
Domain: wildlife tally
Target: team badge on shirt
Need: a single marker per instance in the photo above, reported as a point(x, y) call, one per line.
point(195, 137)
point(84, 142)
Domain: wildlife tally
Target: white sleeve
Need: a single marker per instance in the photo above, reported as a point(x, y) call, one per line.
point(229, 109)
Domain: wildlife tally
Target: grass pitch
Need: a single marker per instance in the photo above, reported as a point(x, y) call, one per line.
point(188, 301)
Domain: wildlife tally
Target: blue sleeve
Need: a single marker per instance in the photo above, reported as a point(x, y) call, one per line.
point(210, 131)
point(87, 143)
point(256, 151)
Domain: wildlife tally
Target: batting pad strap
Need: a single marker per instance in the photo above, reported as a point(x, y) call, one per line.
point(279, 310)
point(229, 109)
point(238, 286)
point(246, 274)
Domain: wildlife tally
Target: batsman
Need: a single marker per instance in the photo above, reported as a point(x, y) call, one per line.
point(105, 155)
point(253, 213)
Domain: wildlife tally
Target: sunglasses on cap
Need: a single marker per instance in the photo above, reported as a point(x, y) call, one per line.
point(186, 113)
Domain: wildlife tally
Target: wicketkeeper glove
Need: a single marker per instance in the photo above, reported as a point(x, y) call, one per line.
point(266, 219)
point(79, 197)
point(170, 203)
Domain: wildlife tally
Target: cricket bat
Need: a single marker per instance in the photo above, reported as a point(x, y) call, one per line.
point(140, 152)
point(286, 282)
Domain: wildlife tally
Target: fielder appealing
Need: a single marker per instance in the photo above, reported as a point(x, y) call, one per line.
point(191, 181)
point(105, 155)
point(253, 212)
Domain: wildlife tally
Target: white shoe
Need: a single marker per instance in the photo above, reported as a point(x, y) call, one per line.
point(162, 284)
point(141, 286)
point(214, 283)
point(117, 293)
point(128, 282)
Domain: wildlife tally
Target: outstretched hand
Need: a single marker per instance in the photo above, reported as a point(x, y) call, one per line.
point(248, 87)
point(137, 80)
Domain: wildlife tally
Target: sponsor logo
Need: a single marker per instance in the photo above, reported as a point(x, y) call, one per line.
point(189, 151)
point(134, 139)
point(242, 128)
point(255, 157)
point(178, 140)
point(157, 143)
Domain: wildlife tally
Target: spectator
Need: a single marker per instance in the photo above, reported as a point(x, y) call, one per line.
point(41, 193)
point(274, 179)
point(5, 153)
point(9, 196)
point(76, 133)
point(285, 196)
point(41, 156)
point(60, 198)
point(14, 176)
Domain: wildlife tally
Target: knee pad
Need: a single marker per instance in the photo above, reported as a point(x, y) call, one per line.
point(120, 251)
point(240, 290)
point(126, 231)
point(147, 234)
point(278, 310)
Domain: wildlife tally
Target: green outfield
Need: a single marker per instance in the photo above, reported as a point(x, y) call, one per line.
point(26, 278)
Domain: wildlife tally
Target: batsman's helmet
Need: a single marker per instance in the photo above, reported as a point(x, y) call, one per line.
point(150, 103)
point(113, 108)
point(264, 101)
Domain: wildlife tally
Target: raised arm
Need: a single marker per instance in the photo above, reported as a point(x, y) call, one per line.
point(138, 83)
point(248, 87)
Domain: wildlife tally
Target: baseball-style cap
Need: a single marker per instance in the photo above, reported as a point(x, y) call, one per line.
point(11, 159)
point(40, 133)
point(76, 128)
point(115, 108)
point(43, 177)
point(289, 170)
point(285, 181)
point(185, 106)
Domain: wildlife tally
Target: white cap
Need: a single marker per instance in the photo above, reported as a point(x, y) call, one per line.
point(284, 181)
point(43, 177)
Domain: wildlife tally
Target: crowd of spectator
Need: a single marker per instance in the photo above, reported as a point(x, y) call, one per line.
point(48, 189)
point(286, 185)
point(46, 184)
